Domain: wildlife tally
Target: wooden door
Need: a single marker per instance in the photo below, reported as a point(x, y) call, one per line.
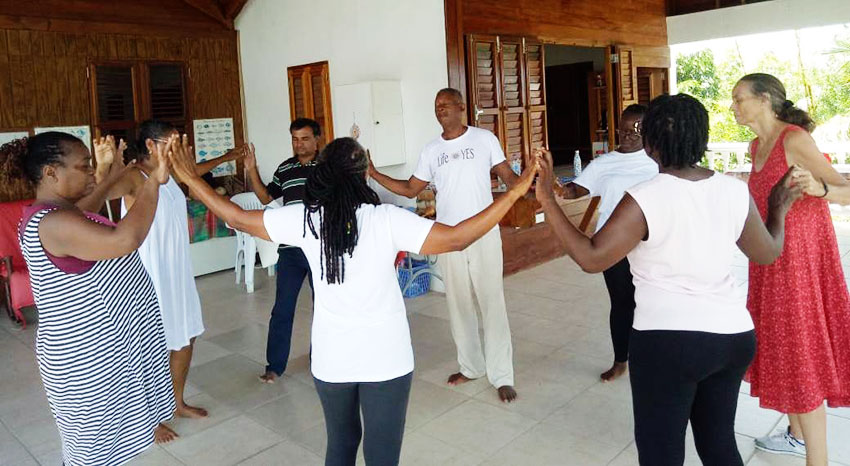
point(507, 91)
point(310, 96)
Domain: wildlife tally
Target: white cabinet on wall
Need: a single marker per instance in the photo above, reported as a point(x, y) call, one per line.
point(375, 107)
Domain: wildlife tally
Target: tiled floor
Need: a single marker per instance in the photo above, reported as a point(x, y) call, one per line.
point(564, 415)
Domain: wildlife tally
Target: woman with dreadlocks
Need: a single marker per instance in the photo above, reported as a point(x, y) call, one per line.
point(362, 358)
point(692, 337)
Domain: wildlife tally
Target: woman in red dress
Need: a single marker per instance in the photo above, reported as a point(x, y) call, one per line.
point(800, 303)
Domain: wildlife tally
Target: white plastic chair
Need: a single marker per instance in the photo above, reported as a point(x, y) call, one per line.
point(246, 245)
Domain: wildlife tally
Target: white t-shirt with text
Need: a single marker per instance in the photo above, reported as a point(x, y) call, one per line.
point(460, 171)
point(611, 174)
point(360, 331)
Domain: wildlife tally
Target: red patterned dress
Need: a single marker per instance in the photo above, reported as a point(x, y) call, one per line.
point(799, 304)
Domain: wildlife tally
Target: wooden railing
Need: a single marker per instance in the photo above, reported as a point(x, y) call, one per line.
point(733, 156)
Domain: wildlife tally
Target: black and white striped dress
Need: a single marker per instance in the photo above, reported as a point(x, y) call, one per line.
point(101, 350)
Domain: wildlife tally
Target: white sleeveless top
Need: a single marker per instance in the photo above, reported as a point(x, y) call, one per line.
point(165, 254)
point(683, 271)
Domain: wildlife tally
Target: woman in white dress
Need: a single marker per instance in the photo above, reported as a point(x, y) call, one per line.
point(165, 254)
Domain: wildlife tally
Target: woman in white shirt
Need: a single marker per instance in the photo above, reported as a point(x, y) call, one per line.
point(609, 176)
point(362, 358)
point(692, 337)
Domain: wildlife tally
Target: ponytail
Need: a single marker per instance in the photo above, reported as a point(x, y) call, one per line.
point(335, 189)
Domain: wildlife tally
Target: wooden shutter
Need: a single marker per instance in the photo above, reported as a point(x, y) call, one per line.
point(485, 94)
point(536, 77)
point(167, 91)
point(514, 98)
point(627, 76)
point(310, 96)
point(114, 99)
point(507, 91)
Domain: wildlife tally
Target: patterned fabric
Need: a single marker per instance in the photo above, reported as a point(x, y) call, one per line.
point(101, 351)
point(203, 224)
point(799, 304)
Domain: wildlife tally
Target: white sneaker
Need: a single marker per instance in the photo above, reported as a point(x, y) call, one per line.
point(782, 443)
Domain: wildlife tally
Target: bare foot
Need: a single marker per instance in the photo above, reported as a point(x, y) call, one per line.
point(190, 411)
point(164, 434)
point(618, 369)
point(507, 393)
point(457, 379)
point(268, 377)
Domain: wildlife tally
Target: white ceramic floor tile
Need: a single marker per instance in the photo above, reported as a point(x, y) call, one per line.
point(478, 427)
point(227, 443)
point(285, 453)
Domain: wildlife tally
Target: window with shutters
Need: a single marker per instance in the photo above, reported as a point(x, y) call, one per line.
point(310, 96)
point(507, 92)
point(115, 109)
point(126, 93)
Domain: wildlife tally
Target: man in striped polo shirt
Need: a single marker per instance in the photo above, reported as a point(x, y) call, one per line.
point(288, 186)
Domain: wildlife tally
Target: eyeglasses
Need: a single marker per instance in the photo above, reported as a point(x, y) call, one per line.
point(634, 131)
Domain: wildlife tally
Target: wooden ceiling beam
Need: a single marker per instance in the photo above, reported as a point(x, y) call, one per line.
point(211, 9)
point(232, 8)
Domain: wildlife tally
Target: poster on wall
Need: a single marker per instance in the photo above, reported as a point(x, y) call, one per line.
point(11, 136)
point(213, 138)
point(82, 132)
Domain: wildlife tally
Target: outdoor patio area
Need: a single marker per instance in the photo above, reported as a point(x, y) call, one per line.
point(564, 415)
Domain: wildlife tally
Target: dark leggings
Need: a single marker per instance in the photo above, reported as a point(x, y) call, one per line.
point(384, 407)
point(621, 291)
point(678, 376)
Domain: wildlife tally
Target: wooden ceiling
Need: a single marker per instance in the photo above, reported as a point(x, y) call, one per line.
point(683, 7)
point(145, 17)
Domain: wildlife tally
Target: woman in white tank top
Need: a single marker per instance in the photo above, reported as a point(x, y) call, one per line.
point(692, 337)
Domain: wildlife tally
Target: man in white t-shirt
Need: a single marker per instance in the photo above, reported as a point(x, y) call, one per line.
point(459, 164)
point(609, 176)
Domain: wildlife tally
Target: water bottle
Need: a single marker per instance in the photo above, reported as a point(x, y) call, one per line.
point(577, 164)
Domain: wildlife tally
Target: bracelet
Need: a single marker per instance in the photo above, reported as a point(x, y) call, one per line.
point(825, 189)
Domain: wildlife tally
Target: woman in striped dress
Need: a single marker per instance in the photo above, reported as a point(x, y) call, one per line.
point(100, 345)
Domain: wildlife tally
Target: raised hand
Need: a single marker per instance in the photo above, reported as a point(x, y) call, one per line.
point(250, 157)
point(104, 150)
point(791, 187)
point(181, 158)
point(544, 191)
point(160, 157)
point(532, 167)
point(237, 153)
point(122, 146)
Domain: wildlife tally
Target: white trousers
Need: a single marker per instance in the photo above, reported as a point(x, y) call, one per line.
point(478, 269)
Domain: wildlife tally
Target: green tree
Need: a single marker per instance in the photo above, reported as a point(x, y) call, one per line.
point(696, 75)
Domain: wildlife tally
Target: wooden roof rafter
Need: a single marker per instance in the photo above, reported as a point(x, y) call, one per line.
point(223, 11)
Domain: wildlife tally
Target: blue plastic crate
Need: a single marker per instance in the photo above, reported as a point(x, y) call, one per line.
point(421, 281)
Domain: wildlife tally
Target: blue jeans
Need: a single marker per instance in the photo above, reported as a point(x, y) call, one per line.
point(384, 408)
point(292, 266)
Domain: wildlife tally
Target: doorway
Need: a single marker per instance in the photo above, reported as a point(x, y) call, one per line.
point(577, 103)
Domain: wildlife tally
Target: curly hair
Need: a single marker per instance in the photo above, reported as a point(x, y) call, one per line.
point(26, 157)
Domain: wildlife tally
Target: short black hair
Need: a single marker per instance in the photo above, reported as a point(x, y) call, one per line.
point(301, 123)
point(635, 110)
point(153, 130)
point(675, 128)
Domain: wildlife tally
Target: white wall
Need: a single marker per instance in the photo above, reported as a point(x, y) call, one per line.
point(566, 55)
point(362, 40)
point(775, 15)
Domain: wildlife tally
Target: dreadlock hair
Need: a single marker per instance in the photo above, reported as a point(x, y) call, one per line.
point(149, 129)
point(763, 84)
point(335, 189)
point(26, 157)
point(675, 128)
